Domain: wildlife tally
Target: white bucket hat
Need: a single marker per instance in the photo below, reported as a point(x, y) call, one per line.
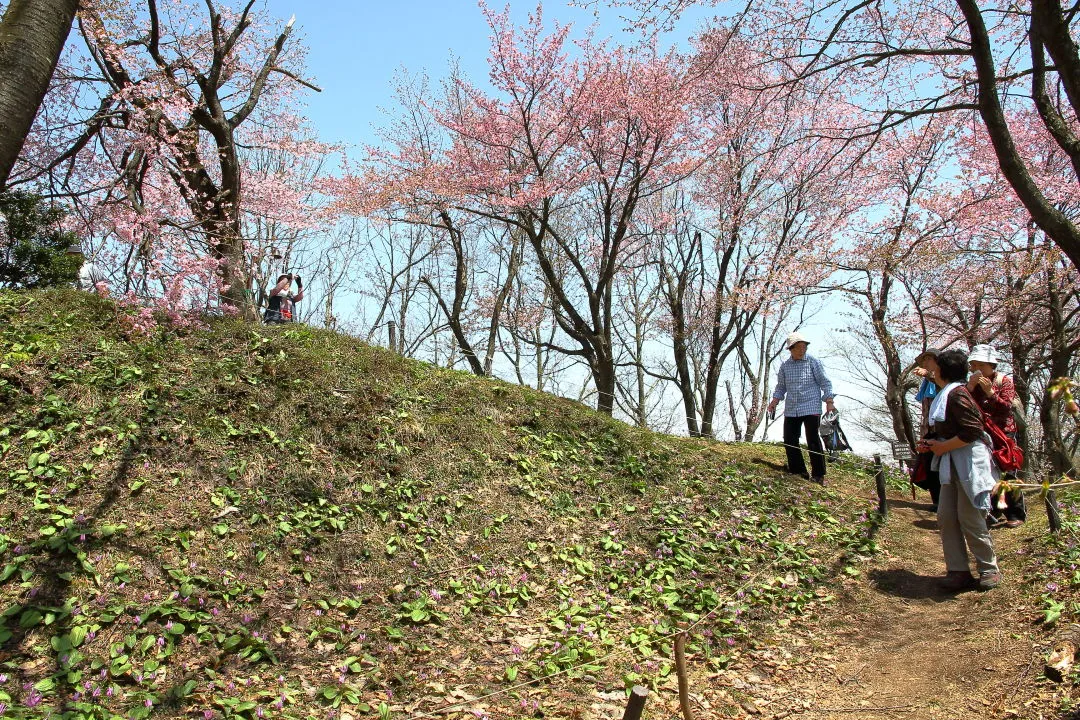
point(983, 353)
point(793, 339)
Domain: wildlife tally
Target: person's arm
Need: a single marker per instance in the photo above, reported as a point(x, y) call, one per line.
point(823, 382)
point(300, 290)
point(962, 412)
point(1000, 397)
point(280, 286)
point(940, 447)
point(780, 390)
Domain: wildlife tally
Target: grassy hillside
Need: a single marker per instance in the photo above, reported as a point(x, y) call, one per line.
point(283, 522)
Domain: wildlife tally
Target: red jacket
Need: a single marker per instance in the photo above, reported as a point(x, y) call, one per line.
point(999, 405)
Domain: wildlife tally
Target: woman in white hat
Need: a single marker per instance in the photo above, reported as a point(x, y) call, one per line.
point(994, 392)
point(802, 381)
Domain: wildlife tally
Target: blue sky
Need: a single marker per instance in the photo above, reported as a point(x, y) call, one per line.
point(356, 47)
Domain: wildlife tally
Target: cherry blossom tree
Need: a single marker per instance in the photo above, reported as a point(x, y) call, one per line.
point(748, 233)
point(907, 227)
point(157, 170)
point(1013, 67)
point(561, 152)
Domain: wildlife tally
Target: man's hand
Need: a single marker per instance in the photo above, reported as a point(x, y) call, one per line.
point(829, 405)
point(938, 447)
point(772, 404)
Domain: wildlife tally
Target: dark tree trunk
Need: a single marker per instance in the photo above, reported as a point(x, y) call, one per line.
point(461, 289)
point(1048, 24)
point(903, 430)
point(1062, 347)
point(32, 35)
point(603, 371)
point(675, 282)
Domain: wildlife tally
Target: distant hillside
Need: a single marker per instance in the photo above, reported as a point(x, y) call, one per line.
point(251, 522)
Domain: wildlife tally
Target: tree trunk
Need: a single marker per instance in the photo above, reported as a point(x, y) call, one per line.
point(717, 338)
point(1045, 213)
point(603, 371)
point(686, 384)
point(733, 411)
point(32, 35)
point(675, 282)
point(903, 430)
point(1062, 347)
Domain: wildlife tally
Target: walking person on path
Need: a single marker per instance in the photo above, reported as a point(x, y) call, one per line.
point(967, 473)
point(802, 384)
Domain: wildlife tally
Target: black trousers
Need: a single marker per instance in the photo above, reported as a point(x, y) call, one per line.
point(792, 431)
point(1015, 507)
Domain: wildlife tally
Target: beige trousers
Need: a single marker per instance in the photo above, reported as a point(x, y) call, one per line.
point(962, 523)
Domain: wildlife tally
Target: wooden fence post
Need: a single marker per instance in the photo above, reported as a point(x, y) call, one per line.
point(680, 672)
point(879, 482)
point(636, 703)
point(1053, 514)
point(391, 329)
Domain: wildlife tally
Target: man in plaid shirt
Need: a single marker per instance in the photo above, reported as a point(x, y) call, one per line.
point(802, 380)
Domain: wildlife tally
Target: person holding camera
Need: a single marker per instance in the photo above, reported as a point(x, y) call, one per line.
point(926, 370)
point(282, 305)
point(995, 393)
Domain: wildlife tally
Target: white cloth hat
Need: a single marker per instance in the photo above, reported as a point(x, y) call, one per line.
point(793, 339)
point(983, 353)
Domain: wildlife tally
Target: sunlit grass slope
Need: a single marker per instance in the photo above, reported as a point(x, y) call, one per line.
point(250, 522)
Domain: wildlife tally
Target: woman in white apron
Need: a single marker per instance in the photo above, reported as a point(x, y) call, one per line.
point(962, 458)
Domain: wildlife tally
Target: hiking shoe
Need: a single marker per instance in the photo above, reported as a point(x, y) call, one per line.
point(1013, 523)
point(989, 581)
point(956, 580)
point(819, 479)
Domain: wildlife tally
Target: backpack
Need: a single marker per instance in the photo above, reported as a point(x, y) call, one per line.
point(1007, 454)
point(921, 474)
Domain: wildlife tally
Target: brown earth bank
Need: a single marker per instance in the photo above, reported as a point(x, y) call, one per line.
point(191, 528)
point(895, 645)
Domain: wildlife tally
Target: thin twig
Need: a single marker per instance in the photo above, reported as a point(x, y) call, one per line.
point(889, 708)
point(1023, 676)
point(845, 681)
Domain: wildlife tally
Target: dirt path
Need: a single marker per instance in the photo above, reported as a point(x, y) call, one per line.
point(896, 646)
